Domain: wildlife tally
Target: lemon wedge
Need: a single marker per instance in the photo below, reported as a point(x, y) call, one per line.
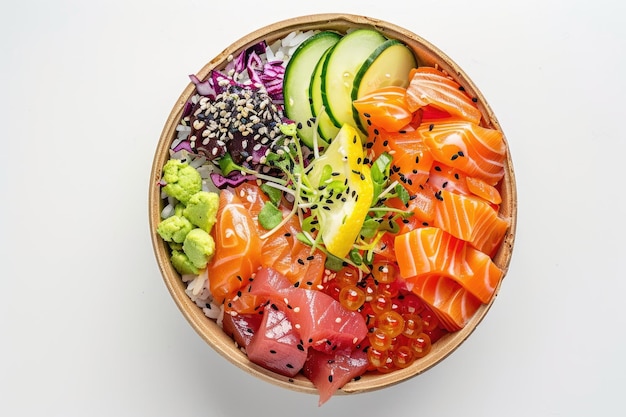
point(344, 191)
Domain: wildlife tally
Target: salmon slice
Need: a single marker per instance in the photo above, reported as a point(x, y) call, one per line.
point(483, 190)
point(477, 151)
point(471, 219)
point(452, 304)
point(282, 250)
point(431, 251)
point(429, 86)
point(422, 206)
point(445, 177)
point(412, 158)
point(237, 248)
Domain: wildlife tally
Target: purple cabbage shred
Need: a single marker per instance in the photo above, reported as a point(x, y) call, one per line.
point(233, 179)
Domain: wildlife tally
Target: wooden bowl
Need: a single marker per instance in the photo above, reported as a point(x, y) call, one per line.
point(428, 55)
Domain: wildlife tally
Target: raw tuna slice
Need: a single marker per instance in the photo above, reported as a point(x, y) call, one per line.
point(276, 345)
point(329, 372)
point(323, 323)
point(242, 327)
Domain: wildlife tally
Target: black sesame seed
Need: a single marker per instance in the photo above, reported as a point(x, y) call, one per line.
point(297, 284)
point(301, 348)
point(460, 153)
point(290, 366)
point(310, 257)
point(431, 127)
point(367, 115)
point(273, 352)
point(475, 99)
point(376, 132)
point(453, 157)
point(445, 184)
point(274, 307)
point(299, 125)
point(330, 378)
point(300, 261)
point(437, 168)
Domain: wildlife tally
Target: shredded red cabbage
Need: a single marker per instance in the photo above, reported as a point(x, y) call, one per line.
point(268, 74)
point(233, 179)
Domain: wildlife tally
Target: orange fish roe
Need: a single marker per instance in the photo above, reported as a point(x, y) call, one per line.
point(402, 328)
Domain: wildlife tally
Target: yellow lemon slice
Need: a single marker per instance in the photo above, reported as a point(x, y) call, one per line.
point(345, 191)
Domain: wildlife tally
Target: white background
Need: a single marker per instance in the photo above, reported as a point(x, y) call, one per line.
point(87, 326)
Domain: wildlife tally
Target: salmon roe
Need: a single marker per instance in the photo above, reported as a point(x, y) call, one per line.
point(401, 327)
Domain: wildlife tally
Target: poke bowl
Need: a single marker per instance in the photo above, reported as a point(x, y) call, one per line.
point(343, 167)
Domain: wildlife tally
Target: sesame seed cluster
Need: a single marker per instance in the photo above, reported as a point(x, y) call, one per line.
point(241, 121)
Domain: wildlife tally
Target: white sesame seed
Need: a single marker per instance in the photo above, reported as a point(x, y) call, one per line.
point(296, 309)
point(338, 320)
point(297, 326)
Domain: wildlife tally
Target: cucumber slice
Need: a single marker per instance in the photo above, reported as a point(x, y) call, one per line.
point(326, 128)
point(340, 69)
point(388, 65)
point(297, 81)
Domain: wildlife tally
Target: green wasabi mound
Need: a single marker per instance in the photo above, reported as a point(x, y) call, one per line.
point(182, 264)
point(182, 180)
point(199, 247)
point(174, 228)
point(201, 209)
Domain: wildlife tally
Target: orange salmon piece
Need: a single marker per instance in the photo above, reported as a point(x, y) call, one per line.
point(471, 219)
point(282, 251)
point(429, 86)
point(431, 251)
point(483, 190)
point(237, 248)
point(452, 303)
point(412, 159)
point(477, 151)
